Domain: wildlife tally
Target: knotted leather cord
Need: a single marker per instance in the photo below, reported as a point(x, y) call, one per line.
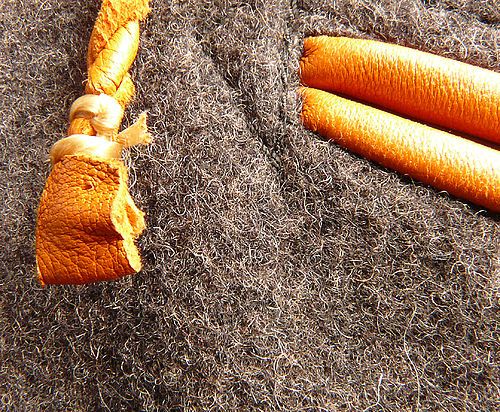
point(104, 115)
point(87, 221)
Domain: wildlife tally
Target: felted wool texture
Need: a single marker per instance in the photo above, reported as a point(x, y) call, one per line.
point(281, 272)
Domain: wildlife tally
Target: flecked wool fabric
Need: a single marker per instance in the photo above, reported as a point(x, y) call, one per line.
point(281, 272)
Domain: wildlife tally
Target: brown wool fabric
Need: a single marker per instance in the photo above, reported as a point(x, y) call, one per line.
point(280, 271)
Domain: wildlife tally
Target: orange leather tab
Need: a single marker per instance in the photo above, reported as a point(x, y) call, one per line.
point(87, 223)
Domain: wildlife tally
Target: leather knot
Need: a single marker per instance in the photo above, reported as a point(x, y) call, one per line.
point(102, 111)
point(104, 114)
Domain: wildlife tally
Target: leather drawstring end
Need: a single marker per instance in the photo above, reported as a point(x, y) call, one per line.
point(87, 222)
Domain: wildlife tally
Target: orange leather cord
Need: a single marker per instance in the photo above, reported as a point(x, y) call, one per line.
point(448, 162)
point(410, 83)
point(87, 221)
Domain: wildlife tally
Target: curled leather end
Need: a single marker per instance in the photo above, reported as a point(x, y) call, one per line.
point(87, 223)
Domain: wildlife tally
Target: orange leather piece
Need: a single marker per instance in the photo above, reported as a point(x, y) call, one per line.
point(419, 85)
point(448, 162)
point(87, 223)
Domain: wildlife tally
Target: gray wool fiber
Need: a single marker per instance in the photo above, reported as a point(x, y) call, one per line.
point(281, 272)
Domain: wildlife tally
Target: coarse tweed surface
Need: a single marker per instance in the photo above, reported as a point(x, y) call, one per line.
point(281, 272)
